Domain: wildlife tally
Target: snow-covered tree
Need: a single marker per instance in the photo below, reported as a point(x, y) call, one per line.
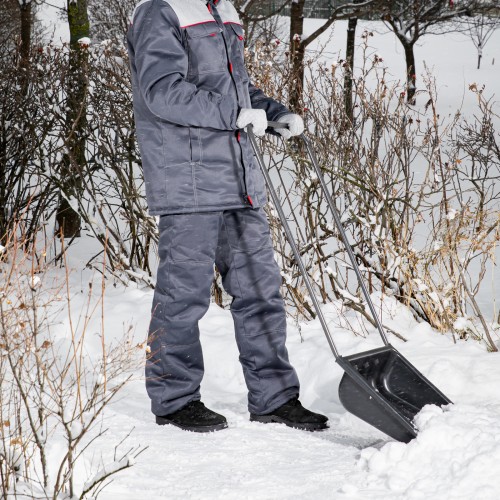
point(111, 19)
point(299, 44)
point(9, 22)
point(480, 29)
point(255, 12)
point(17, 21)
point(410, 20)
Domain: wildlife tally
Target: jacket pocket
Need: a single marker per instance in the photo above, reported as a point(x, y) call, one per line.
point(179, 186)
point(206, 51)
point(177, 147)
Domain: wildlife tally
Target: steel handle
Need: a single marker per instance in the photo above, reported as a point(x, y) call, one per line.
point(277, 204)
point(343, 236)
point(277, 125)
point(338, 223)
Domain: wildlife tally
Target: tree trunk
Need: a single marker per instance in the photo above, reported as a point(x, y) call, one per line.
point(26, 18)
point(297, 52)
point(411, 74)
point(351, 35)
point(72, 168)
point(26, 28)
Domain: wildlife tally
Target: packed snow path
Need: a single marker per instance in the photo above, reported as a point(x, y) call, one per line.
point(455, 455)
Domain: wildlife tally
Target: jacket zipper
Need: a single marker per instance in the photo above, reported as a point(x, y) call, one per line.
point(247, 197)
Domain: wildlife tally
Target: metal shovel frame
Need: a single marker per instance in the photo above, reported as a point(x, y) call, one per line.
point(379, 386)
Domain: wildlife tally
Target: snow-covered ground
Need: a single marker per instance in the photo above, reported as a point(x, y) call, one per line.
point(457, 451)
point(455, 455)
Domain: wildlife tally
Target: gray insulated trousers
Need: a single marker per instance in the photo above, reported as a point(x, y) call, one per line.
point(238, 242)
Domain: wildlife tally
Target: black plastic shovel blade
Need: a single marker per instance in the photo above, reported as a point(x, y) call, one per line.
point(384, 389)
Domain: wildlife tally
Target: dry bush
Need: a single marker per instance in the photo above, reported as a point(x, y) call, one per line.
point(35, 150)
point(418, 194)
point(54, 387)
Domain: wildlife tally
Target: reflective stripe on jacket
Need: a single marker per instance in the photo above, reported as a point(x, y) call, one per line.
point(189, 83)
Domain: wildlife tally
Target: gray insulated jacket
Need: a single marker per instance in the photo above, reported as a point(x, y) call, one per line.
point(190, 82)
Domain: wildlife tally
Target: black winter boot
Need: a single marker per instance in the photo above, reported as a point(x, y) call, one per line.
point(195, 417)
point(294, 415)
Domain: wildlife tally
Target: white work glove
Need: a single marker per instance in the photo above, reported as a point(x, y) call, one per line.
point(255, 117)
point(295, 126)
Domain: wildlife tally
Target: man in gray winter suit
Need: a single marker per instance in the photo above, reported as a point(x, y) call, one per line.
point(192, 100)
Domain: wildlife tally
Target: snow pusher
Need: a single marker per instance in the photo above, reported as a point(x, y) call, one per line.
point(379, 386)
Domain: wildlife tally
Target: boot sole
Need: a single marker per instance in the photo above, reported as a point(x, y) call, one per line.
point(272, 419)
point(192, 428)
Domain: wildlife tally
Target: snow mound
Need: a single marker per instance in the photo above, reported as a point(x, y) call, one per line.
point(451, 458)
